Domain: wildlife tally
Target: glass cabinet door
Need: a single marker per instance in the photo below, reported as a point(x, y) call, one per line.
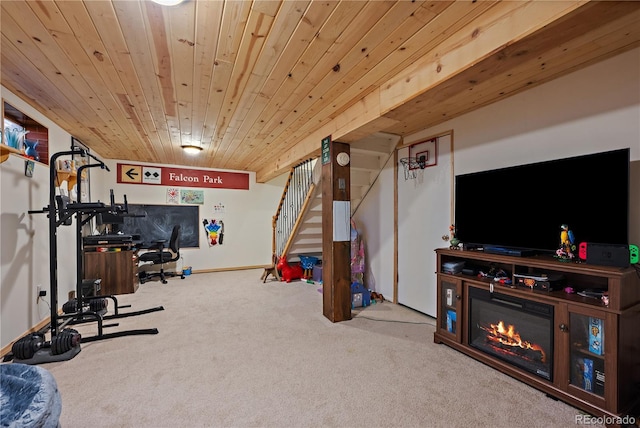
point(592, 355)
point(450, 305)
point(587, 340)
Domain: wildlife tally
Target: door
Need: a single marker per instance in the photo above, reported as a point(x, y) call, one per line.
point(450, 318)
point(424, 216)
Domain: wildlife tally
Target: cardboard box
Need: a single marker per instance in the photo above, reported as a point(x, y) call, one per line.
point(596, 336)
point(451, 321)
point(598, 380)
point(588, 375)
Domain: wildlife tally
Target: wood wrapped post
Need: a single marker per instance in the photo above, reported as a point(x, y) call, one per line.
point(336, 216)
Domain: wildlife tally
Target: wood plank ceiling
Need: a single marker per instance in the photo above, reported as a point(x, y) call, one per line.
point(259, 83)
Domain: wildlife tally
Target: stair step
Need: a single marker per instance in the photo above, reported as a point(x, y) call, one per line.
point(311, 231)
point(305, 251)
point(368, 156)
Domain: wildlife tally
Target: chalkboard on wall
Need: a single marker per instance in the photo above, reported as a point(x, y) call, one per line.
point(158, 222)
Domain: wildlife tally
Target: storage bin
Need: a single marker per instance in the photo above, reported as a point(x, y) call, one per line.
point(317, 273)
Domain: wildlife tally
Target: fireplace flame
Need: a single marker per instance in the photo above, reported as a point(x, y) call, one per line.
point(508, 336)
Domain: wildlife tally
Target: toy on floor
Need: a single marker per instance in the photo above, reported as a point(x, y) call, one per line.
point(376, 297)
point(308, 262)
point(360, 296)
point(287, 271)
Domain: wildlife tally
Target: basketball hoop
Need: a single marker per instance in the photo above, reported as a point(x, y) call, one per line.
point(411, 165)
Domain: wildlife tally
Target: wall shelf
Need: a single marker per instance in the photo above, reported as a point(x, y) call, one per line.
point(71, 177)
point(5, 151)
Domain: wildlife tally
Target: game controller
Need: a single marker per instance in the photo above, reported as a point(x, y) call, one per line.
point(582, 251)
point(633, 254)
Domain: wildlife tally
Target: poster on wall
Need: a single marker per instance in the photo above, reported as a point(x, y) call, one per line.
point(173, 195)
point(84, 178)
point(214, 230)
point(192, 197)
point(218, 208)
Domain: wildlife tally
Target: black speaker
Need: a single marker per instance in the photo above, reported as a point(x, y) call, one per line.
point(608, 254)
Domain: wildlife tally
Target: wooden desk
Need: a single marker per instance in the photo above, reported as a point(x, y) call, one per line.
point(117, 269)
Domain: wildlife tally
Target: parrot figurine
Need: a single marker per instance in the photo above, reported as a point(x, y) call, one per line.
point(567, 240)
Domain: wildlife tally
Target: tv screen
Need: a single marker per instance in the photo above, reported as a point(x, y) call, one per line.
point(523, 207)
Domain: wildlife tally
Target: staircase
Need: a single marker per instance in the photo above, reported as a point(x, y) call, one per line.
point(368, 157)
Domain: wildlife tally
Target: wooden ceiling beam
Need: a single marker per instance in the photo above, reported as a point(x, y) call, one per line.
point(498, 27)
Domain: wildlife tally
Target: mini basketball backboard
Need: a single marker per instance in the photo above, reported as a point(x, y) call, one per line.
point(425, 152)
point(421, 155)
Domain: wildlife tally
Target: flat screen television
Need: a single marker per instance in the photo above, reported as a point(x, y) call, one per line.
point(523, 207)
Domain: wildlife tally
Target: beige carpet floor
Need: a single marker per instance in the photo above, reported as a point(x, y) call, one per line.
point(234, 352)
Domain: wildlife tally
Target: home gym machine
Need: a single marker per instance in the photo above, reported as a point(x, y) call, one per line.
point(85, 307)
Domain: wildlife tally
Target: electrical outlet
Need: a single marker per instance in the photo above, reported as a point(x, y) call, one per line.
point(40, 293)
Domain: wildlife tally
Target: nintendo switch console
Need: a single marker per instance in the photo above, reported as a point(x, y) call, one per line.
point(608, 254)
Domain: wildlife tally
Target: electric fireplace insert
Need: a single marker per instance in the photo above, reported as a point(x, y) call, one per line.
point(517, 331)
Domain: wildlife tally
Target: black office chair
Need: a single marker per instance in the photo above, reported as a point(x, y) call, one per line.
point(158, 256)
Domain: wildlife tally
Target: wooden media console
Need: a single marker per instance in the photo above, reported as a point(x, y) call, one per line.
point(581, 349)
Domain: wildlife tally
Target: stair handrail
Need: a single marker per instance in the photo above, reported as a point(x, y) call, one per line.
point(298, 222)
point(291, 205)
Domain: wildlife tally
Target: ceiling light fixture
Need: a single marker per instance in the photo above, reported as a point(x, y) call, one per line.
point(192, 149)
point(168, 2)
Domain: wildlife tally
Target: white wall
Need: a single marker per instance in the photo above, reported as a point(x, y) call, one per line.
point(247, 217)
point(374, 220)
point(24, 238)
point(590, 110)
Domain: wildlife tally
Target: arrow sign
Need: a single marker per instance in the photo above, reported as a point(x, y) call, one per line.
point(182, 177)
point(131, 174)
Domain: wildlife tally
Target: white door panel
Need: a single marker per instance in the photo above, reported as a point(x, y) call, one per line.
point(424, 216)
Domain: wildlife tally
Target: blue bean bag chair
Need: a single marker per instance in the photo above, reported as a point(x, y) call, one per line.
point(29, 397)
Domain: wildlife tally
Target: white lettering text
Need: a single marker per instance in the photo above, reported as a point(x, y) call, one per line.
point(181, 177)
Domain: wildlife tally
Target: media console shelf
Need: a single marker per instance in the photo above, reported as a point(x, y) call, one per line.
point(578, 349)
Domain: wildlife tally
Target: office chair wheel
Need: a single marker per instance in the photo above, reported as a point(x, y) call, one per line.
point(164, 281)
